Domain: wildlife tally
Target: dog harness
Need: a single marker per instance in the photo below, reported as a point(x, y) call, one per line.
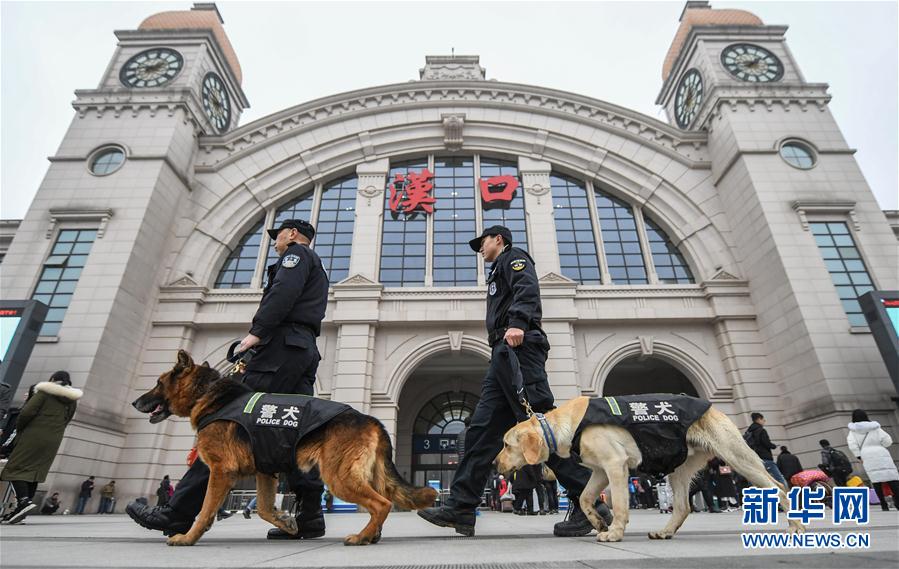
point(657, 421)
point(275, 423)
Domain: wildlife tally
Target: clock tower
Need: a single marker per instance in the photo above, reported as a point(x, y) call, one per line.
point(118, 197)
point(804, 225)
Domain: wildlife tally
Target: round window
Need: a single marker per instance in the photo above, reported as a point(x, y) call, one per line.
point(797, 154)
point(107, 160)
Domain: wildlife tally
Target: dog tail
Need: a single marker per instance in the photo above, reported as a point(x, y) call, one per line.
point(396, 488)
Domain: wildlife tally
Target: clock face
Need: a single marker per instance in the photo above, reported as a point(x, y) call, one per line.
point(151, 68)
point(216, 102)
point(752, 63)
point(688, 98)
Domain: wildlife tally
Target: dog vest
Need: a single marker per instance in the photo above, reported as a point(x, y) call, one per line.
point(275, 423)
point(657, 421)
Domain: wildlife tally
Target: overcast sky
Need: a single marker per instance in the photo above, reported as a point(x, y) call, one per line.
point(294, 52)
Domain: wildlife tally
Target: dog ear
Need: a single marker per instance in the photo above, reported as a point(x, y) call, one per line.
point(205, 363)
point(530, 447)
point(184, 362)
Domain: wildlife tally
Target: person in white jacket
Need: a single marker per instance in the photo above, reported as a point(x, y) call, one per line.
point(868, 442)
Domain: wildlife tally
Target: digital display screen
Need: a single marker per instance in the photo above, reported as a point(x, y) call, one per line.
point(9, 323)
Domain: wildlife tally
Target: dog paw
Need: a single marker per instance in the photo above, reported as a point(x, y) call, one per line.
point(609, 536)
point(357, 539)
point(659, 535)
point(179, 539)
point(796, 527)
point(287, 523)
point(376, 539)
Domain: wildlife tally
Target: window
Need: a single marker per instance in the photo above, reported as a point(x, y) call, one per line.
point(405, 237)
point(335, 217)
point(511, 213)
point(240, 266)
point(334, 232)
point(846, 267)
point(300, 208)
point(454, 222)
point(797, 154)
point(620, 240)
point(445, 413)
point(574, 230)
point(60, 275)
point(106, 160)
point(669, 264)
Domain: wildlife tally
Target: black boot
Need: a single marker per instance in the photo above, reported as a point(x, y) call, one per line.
point(159, 518)
point(446, 517)
point(576, 523)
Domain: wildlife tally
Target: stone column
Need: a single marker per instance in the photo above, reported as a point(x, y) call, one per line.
point(372, 179)
point(539, 214)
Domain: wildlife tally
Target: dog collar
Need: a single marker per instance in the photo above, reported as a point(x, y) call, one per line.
point(547, 433)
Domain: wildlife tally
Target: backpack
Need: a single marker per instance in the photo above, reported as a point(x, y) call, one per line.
point(839, 461)
point(750, 438)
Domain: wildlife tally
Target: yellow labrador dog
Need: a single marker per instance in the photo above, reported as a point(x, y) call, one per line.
point(609, 450)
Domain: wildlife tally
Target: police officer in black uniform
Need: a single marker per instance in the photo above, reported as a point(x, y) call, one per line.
point(513, 318)
point(283, 334)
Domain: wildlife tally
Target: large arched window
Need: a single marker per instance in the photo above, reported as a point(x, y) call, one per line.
point(454, 222)
point(331, 205)
point(238, 270)
point(620, 240)
point(574, 230)
point(422, 249)
point(500, 212)
point(669, 263)
point(445, 413)
point(625, 232)
point(405, 236)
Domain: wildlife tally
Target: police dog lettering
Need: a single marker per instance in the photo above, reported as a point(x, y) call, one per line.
point(658, 433)
point(352, 451)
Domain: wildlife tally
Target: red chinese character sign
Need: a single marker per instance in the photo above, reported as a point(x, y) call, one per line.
point(498, 188)
point(412, 191)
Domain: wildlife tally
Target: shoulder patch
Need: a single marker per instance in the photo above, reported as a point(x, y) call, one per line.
point(519, 264)
point(290, 261)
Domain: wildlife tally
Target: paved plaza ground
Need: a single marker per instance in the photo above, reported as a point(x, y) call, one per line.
point(502, 541)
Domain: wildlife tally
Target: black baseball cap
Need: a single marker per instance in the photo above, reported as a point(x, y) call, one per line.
point(303, 226)
point(475, 243)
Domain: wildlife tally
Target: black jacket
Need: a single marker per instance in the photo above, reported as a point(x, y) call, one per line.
point(788, 464)
point(513, 294)
point(296, 293)
point(761, 444)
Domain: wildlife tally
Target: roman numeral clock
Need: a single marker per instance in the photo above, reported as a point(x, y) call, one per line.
point(151, 68)
point(216, 102)
point(752, 63)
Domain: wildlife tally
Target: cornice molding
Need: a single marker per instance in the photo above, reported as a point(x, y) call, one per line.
point(219, 150)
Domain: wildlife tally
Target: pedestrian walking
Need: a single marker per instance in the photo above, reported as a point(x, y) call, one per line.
point(40, 426)
point(869, 443)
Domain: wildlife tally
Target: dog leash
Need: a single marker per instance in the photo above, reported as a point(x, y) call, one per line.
point(521, 395)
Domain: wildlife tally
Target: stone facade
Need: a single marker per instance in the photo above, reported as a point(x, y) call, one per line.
point(762, 328)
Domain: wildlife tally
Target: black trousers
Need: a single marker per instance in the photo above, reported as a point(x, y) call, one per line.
point(495, 414)
point(524, 499)
point(551, 488)
point(279, 368)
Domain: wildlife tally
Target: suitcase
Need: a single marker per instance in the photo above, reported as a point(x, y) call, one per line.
point(666, 499)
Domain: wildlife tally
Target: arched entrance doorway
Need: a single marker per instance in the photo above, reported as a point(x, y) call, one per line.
point(638, 374)
point(439, 395)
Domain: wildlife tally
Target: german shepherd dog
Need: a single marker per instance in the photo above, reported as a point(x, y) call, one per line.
point(609, 451)
point(352, 451)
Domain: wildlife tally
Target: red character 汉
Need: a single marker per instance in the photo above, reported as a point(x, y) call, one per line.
point(415, 188)
point(498, 188)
